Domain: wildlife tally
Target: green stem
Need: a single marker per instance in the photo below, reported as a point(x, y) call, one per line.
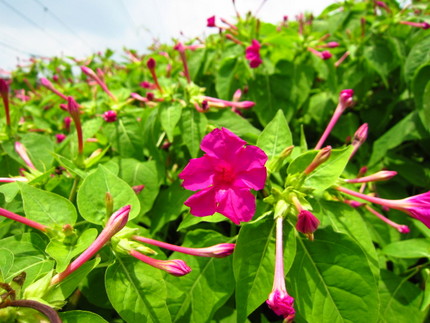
point(74, 189)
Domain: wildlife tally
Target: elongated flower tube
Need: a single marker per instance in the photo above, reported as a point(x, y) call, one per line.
point(46, 83)
point(218, 251)
point(4, 92)
point(383, 5)
point(399, 227)
point(379, 176)
point(181, 49)
point(324, 55)
point(23, 220)
point(219, 103)
point(72, 107)
point(417, 206)
point(13, 179)
point(22, 152)
point(345, 101)
point(115, 223)
point(423, 25)
point(341, 59)
point(89, 72)
point(175, 267)
point(279, 301)
point(224, 177)
point(359, 138)
point(151, 66)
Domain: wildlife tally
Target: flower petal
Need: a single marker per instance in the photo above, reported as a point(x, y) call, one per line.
point(221, 143)
point(236, 204)
point(198, 174)
point(249, 157)
point(254, 178)
point(202, 203)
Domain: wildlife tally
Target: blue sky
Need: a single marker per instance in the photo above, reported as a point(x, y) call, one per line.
point(81, 27)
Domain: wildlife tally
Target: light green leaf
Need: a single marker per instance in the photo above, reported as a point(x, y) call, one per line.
point(137, 291)
point(63, 253)
point(47, 208)
point(275, 137)
point(170, 116)
point(92, 193)
point(81, 316)
point(210, 283)
point(6, 262)
point(411, 248)
point(331, 281)
point(193, 127)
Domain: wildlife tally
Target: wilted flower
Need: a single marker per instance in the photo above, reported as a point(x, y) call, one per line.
point(252, 54)
point(307, 223)
point(225, 175)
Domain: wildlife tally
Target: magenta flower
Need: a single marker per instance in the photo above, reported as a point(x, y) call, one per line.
point(417, 206)
point(252, 54)
point(225, 175)
point(307, 223)
point(325, 54)
point(211, 22)
point(60, 137)
point(110, 116)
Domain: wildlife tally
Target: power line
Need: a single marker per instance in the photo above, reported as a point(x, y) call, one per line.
point(130, 18)
point(17, 49)
point(46, 9)
point(31, 22)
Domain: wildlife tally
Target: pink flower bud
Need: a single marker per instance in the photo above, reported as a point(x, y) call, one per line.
point(379, 176)
point(148, 85)
point(175, 267)
point(282, 304)
point(345, 97)
point(332, 44)
point(326, 55)
point(138, 188)
point(150, 96)
point(320, 158)
point(67, 121)
point(110, 116)
point(60, 137)
point(151, 63)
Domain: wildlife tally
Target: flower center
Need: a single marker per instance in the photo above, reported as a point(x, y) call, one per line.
point(224, 175)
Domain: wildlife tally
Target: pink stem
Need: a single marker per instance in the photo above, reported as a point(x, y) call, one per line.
point(337, 113)
point(389, 203)
point(279, 280)
point(19, 218)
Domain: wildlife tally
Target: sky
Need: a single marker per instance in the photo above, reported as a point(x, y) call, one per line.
point(81, 27)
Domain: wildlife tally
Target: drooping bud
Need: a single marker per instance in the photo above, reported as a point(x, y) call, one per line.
point(307, 223)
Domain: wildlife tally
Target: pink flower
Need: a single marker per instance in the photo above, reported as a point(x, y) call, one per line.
point(60, 137)
point(225, 175)
point(423, 25)
point(211, 22)
point(4, 93)
point(282, 304)
point(326, 55)
point(110, 116)
point(252, 54)
point(307, 223)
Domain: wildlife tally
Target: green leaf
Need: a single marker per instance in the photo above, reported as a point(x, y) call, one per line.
point(40, 149)
point(400, 300)
point(227, 79)
point(275, 137)
point(146, 173)
point(331, 281)
point(209, 285)
point(254, 263)
point(92, 194)
point(47, 208)
point(418, 56)
point(6, 262)
point(190, 220)
point(63, 253)
point(29, 257)
point(412, 248)
point(137, 291)
point(61, 291)
point(193, 127)
point(232, 121)
point(170, 116)
point(421, 91)
point(81, 316)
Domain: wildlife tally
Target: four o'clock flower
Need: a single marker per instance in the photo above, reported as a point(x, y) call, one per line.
point(89, 72)
point(307, 223)
point(322, 156)
point(150, 63)
point(116, 222)
point(22, 152)
point(423, 25)
point(345, 101)
point(4, 92)
point(252, 54)
point(175, 267)
point(417, 206)
point(279, 301)
point(110, 116)
point(224, 177)
point(379, 176)
point(359, 138)
point(325, 54)
point(46, 83)
point(218, 251)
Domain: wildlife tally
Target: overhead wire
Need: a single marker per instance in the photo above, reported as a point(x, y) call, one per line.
point(31, 22)
point(53, 15)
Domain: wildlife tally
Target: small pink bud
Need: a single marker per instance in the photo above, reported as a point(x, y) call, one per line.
point(45, 82)
point(326, 55)
point(179, 47)
point(67, 121)
point(345, 97)
point(237, 95)
point(138, 188)
point(360, 135)
point(110, 116)
point(150, 96)
point(282, 304)
point(352, 203)
point(320, 158)
point(332, 44)
point(60, 137)
point(175, 267)
point(148, 85)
